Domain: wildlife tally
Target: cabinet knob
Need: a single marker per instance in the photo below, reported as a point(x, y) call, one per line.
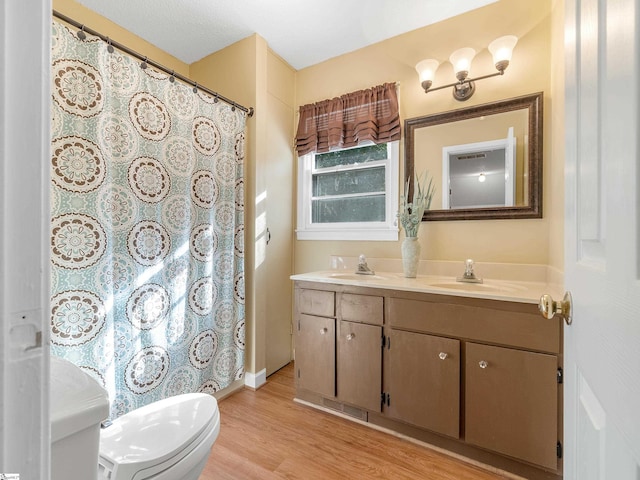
point(351, 336)
point(323, 331)
point(483, 364)
point(443, 355)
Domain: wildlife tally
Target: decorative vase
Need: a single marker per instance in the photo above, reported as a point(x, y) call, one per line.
point(410, 256)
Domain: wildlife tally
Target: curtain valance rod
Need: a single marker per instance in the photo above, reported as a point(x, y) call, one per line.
point(148, 61)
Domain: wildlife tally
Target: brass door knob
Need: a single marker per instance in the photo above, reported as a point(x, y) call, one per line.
point(548, 307)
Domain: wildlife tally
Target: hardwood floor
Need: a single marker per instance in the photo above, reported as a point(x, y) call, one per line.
point(266, 435)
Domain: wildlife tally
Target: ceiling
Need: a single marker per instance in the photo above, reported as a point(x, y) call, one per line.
point(302, 32)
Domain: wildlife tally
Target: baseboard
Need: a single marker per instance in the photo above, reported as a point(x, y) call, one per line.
point(255, 380)
point(235, 386)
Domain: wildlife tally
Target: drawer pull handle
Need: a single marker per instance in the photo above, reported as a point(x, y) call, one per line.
point(323, 331)
point(443, 355)
point(351, 336)
point(483, 364)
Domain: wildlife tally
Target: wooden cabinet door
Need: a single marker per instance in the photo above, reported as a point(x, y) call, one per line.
point(423, 381)
point(360, 365)
point(511, 402)
point(316, 354)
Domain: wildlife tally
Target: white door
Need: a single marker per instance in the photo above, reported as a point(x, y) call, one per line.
point(602, 244)
point(24, 237)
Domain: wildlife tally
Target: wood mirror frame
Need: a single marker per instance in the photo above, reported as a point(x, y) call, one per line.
point(533, 207)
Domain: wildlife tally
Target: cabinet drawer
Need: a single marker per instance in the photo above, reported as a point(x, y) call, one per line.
point(362, 308)
point(316, 302)
point(521, 326)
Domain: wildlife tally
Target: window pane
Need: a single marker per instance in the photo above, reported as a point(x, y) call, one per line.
point(351, 156)
point(358, 209)
point(353, 181)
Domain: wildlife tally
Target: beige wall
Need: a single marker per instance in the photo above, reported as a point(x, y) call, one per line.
point(555, 181)
point(510, 241)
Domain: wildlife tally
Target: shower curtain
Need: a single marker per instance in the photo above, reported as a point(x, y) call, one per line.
point(147, 230)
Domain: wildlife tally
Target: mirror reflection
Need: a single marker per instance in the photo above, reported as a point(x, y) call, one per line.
point(486, 159)
point(479, 174)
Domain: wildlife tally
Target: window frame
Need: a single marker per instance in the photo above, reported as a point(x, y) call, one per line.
point(386, 230)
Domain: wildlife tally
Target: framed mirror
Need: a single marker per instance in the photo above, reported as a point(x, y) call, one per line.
point(485, 160)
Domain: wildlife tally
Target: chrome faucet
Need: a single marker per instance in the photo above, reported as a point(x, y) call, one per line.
point(469, 275)
point(363, 268)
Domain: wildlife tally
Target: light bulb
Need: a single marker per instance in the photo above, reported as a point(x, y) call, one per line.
point(482, 177)
point(502, 49)
point(427, 71)
point(461, 61)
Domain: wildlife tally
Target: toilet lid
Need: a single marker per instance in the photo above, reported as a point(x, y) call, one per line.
point(159, 431)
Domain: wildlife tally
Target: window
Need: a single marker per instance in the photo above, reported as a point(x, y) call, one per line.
point(348, 172)
point(349, 194)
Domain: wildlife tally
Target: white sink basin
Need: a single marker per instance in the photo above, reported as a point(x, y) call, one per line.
point(356, 276)
point(479, 287)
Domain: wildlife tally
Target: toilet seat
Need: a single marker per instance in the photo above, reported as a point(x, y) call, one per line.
point(154, 438)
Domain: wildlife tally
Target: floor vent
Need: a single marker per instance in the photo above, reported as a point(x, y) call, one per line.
point(346, 409)
point(331, 404)
point(355, 412)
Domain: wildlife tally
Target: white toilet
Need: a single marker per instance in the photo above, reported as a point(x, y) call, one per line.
point(167, 440)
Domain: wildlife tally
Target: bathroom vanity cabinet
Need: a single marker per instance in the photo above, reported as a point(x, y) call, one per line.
point(475, 376)
point(339, 340)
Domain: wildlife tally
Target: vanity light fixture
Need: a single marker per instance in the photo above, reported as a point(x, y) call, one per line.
point(501, 49)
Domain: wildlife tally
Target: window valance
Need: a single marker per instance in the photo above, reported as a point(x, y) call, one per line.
point(349, 120)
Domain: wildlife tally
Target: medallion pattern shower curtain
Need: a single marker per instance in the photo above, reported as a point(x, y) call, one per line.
point(147, 230)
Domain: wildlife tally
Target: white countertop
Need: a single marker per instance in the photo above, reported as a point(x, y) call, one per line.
point(511, 290)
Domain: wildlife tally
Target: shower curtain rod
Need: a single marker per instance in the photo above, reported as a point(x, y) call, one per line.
point(147, 61)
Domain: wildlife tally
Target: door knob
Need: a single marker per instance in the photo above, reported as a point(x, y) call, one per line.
point(549, 307)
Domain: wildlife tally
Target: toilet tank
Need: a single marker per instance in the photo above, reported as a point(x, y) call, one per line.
point(78, 404)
